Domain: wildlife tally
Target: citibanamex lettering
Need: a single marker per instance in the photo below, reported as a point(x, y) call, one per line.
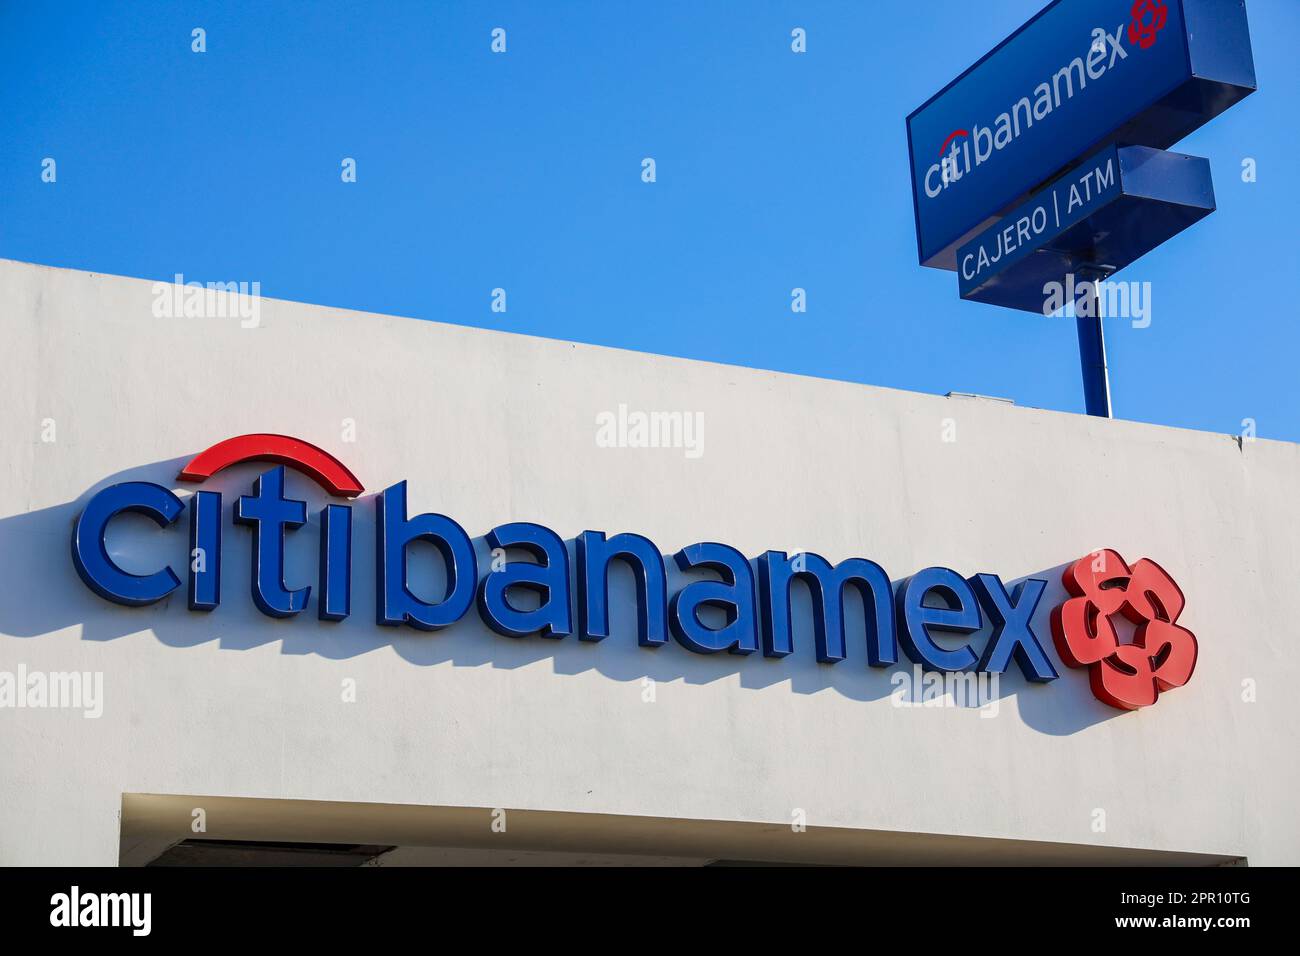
point(742, 607)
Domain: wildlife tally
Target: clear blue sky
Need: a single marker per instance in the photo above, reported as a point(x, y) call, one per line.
point(522, 171)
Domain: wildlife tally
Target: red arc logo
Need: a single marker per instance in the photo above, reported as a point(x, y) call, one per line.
point(1162, 655)
point(326, 470)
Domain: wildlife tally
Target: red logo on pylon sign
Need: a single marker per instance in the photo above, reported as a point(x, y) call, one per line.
point(1149, 18)
point(1162, 655)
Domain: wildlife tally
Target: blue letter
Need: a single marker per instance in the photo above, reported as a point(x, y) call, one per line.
point(594, 554)
point(826, 586)
point(1011, 631)
point(734, 594)
point(91, 557)
point(269, 513)
point(549, 579)
point(334, 602)
point(915, 619)
point(205, 550)
point(393, 532)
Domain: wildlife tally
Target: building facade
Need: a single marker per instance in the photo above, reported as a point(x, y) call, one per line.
point(230, 730)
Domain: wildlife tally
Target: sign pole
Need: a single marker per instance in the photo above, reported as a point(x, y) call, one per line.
point(1092, 350)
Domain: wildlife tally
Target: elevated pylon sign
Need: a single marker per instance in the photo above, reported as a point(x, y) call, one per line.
point(1005, 156)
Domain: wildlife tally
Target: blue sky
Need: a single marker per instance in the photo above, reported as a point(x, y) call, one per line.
point(523, 171)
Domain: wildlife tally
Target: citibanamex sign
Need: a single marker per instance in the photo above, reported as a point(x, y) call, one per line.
point(742, 607)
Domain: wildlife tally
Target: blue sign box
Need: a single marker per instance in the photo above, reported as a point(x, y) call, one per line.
point(1108, 211)
point(1080, 75)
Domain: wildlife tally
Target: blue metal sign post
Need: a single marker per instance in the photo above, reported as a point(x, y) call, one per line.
point(1046, 159)
point(1092, 352)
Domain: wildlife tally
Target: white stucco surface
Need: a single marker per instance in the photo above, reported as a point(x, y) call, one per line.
point(490, 427)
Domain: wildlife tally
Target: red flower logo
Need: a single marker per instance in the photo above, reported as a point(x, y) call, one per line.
point(1142, 31)
point(1162, 655)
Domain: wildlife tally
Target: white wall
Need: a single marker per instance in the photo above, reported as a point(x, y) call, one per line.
point(491, 427)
